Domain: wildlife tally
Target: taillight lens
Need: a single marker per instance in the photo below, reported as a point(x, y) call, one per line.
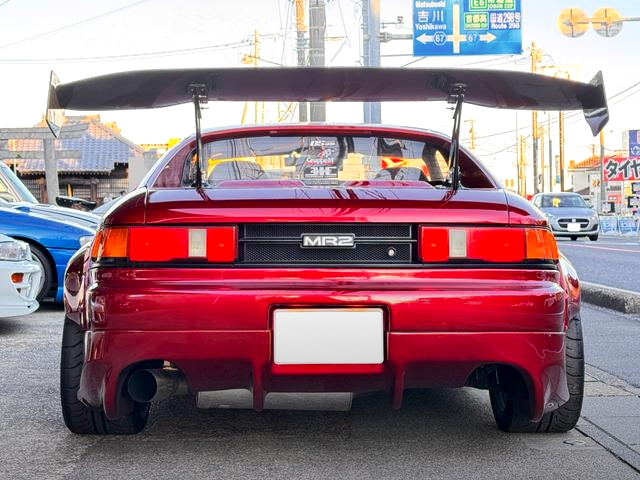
point(111, 243)
point(492, 245)
point(164, 244)
point(541, 245)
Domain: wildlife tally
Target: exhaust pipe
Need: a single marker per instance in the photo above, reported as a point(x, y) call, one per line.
point(156, 384)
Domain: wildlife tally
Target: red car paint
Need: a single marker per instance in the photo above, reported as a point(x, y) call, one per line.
point(214, 323)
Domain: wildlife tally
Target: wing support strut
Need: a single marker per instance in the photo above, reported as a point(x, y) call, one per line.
point(456, 96)
point(199, 96)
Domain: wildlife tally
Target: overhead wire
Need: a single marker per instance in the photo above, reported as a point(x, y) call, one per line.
point(131, 56)
point(72, 25)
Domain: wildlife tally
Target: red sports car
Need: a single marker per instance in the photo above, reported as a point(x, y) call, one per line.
point(260, 260)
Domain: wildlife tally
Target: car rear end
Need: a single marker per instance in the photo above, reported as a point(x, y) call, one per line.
point(426, 296)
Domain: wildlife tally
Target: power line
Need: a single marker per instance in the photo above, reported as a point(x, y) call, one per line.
point(71, 25)
point(4, 3)
point(131, 56)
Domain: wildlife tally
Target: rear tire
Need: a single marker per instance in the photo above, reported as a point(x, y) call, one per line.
point(510, 408)
point(593, 238)
point(46, 281)
point(573, 238)
point(78, 417)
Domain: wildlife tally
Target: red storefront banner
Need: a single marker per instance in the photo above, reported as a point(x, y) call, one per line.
point(621, 168)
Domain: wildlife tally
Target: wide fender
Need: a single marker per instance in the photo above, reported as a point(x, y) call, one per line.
point(75, 283)
point(571, 285)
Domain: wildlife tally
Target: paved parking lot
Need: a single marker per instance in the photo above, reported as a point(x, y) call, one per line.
point(437, 434)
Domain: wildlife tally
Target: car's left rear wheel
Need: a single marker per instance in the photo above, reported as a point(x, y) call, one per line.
point(510, 405)
point(78, 417)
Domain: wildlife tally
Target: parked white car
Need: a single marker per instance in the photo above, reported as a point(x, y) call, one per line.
point(20, 278)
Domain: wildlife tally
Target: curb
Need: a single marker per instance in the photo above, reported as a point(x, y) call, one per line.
point(624, 301)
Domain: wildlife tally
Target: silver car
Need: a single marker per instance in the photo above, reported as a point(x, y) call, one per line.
point(568, 215)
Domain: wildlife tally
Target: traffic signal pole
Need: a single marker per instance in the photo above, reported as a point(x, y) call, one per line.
point(371, 52)
point(301, 50)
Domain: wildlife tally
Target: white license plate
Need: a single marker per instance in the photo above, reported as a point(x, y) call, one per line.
point(326, 336)
point(573, 227)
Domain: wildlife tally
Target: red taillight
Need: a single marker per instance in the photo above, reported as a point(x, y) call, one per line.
point(158, 244)
point(221, 244)
point(163, 244)
point(493, 245)
point(504, 245)
point(434, 244)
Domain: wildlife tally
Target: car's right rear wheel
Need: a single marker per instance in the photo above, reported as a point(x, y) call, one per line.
point(78, 417)
point(510, 405)
point(574, 238)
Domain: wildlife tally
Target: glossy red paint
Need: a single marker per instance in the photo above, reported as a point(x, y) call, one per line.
point(214, 324)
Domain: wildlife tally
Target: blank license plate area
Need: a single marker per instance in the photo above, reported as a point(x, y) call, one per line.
point(573, 227)
point(328, 336)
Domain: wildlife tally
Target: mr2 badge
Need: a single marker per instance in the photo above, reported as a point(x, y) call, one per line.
point(328, 241)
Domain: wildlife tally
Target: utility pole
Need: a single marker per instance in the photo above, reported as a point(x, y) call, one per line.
point(522, 168)
point(536, 55)
point(472, 133)
point(301, 47)
point(317, 29)
point(561, 139)
point(542, 159)
point(550, 153)
point(371, 52)
point(603, 190)
point(256, 56)
point(48, 152)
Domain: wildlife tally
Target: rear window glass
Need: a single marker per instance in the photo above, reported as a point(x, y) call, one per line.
point(320, 160)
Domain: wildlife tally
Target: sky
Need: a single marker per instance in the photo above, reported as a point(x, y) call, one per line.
point(80, 38)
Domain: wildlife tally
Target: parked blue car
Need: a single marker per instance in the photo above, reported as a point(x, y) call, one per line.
point(54, 233)
point(52, 241)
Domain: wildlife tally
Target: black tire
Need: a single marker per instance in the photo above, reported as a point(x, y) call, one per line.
point(48, 274)
point(593, 238)
point(509, 409)
point(573, 238)
point(78, 417)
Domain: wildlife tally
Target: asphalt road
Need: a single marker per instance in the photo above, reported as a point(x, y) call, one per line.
point(611, 261)
point(437, 434)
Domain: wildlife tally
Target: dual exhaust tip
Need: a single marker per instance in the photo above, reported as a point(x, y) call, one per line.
point(151, 385)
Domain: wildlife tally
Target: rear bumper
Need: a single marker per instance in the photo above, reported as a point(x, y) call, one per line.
point(215, 326)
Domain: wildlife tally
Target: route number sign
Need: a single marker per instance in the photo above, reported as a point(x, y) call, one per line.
point(467, 27)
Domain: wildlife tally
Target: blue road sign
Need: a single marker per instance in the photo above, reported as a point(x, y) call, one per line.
point(467, 27)
point(634, 143)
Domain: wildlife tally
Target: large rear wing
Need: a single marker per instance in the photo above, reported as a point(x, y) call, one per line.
point(489, 88)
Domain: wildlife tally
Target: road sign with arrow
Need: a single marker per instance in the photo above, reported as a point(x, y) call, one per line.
point(467, 27)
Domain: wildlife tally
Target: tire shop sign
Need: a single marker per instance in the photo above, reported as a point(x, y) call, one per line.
point(618, 169)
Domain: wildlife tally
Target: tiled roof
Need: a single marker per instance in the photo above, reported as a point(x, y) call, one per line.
point(589, 163)
point(100, 148)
